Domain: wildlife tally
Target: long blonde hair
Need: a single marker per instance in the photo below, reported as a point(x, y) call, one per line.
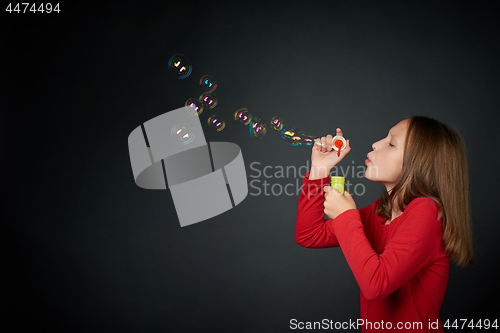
point(435, 166)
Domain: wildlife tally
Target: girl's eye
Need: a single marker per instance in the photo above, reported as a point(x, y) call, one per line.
point(390, 144)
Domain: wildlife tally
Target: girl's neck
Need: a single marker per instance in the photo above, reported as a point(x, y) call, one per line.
point(395, 215)
point(395, 212)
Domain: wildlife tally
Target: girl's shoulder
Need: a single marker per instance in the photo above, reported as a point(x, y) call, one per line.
point(424, 212)
point(417, 203)
point(417, 207)
point(424, 203)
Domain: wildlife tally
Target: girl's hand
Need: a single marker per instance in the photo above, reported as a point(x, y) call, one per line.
point(336, 203)
point(324, 156)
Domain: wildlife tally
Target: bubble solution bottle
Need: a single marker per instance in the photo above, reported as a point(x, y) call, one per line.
point(338, 183)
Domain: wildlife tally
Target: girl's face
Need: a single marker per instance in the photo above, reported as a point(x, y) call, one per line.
point(385, 162)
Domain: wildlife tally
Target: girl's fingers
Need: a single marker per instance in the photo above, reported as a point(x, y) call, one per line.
point(324, 144)
point(328, 140)
point(339, 132)
point(317, 144)
point(347, 148)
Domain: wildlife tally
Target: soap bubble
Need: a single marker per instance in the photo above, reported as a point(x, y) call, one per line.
point(258, 127)
point(243, 116)
point(276, 123)
point(296, 137)
point(208, 99)
point(182, 133)
point(196, 106)
point(292, 136)
point(180, 66)
point(307, 139)
point(216, 121)
point(208, 82)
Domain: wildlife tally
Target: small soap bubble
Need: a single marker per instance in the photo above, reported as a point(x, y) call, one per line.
point(243, 116)
point(292, 135)
point(258, 127)
point(277, 123)
point(196, 106)
point(307, 139)
point(208, 99)
point(180, 66)
point(208, 82)
point(216, 121)
point(182, 133)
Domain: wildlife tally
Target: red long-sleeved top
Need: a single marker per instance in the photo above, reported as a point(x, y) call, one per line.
point(401, 268)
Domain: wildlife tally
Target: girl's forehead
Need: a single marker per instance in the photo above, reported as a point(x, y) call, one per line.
point(399, 128)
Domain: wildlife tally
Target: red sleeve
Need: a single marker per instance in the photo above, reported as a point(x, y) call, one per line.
point(310, 228)
point(414, 246)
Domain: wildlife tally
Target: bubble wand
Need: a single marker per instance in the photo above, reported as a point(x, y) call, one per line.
point(338, 143)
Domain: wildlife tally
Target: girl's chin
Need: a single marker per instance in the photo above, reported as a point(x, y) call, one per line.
point(373, 178)
point(372, 175)
point(369, 174)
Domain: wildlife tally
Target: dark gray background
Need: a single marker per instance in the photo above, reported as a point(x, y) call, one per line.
point(85, 249)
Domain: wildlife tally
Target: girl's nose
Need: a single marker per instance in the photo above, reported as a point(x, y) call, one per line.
point(374, 147)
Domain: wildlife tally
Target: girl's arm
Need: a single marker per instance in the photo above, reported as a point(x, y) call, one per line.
point(311, 229)
point(414, 246)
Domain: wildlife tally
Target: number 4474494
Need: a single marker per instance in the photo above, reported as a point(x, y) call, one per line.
point(26, 7)
point(478, 323)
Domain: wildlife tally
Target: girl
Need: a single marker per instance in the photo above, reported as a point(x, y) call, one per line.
point(399, 247)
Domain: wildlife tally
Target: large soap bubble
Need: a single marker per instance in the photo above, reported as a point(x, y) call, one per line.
point(258, 127)
point(243, 116)
point(182, 133)
point(180, 66)
point(208, 83)
point(216, 122)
